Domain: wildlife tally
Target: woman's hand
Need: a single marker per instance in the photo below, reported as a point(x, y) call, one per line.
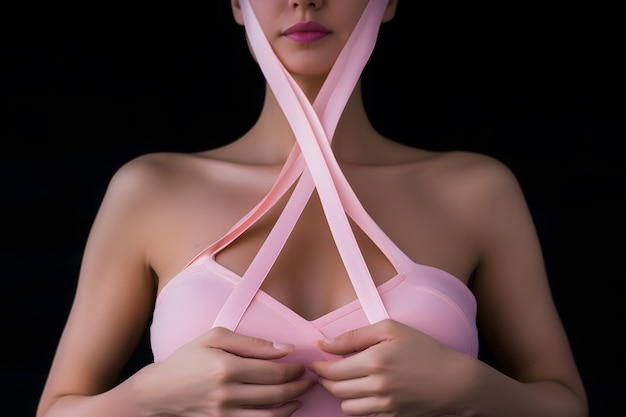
point(223, 373)
point(393, 370)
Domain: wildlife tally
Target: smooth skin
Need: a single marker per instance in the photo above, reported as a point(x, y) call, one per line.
point(459, 211)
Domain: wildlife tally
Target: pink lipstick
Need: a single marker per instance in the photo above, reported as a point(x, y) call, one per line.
point(306, 32)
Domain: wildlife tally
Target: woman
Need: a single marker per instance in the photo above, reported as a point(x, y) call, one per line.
point(313, 267)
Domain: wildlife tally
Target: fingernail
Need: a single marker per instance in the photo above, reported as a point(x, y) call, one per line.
point(281, 346)
point(329, 340)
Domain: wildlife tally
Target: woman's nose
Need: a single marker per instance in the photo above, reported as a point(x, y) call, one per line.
point(306, 3)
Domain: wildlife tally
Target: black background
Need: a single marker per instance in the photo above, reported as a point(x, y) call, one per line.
point(83, 91)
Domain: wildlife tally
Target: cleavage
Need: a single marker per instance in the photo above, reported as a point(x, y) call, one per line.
point(308, 276)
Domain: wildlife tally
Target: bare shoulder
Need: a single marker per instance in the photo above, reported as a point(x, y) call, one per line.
point(473, 166)
point(151, 169)
point(147, 186)
point(155, 175)
point(484, 193)
point(476, 187)
point(474, 178)
point(452, 165)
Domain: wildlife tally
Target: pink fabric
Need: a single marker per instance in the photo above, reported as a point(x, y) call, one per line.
point(205, 294)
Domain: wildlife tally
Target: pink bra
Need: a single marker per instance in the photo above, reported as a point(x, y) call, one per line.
point(206, 294)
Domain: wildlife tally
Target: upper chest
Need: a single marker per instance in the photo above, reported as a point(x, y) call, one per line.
point(308, 268)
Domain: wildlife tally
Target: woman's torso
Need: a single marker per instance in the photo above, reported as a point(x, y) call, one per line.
point(307, 294)
point(406, 200)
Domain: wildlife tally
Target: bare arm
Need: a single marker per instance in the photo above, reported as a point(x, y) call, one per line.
point(404, 372)
point(217, 372)
point(110, 311)
point(518, 315)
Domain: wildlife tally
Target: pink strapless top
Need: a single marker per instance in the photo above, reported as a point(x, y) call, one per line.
point(206, 294)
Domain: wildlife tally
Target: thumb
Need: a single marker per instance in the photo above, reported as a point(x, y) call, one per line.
point(356, 340)
point(245, 346)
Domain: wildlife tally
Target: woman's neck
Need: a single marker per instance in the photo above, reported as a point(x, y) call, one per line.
point(273, 137)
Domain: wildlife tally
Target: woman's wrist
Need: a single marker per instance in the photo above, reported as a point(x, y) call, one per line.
point(467, 377)
point(145, 392)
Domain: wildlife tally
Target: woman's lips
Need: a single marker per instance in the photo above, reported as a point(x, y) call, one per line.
point(306, 32)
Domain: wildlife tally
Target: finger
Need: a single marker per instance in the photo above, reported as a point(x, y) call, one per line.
point(263, 372)
point(351, 367)
point(350, 388)
point(357, 398)
point(266, 395)
point(282, 410)
point(365, 406)
point(245, 346)
point(358, 339)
